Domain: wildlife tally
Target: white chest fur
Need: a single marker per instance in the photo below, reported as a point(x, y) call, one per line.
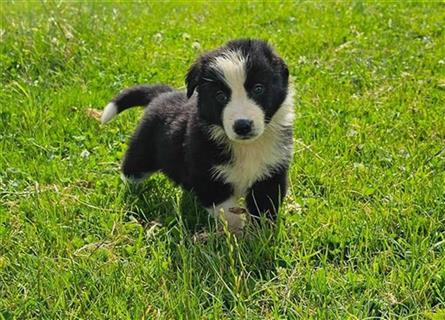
point(253, 162)
point(257, 160)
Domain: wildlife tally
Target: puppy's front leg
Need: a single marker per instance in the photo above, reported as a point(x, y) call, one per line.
point(219, 201)
point(265, 196)
point(229, 211)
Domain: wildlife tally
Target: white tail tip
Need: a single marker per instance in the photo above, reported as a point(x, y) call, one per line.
point(109, 112)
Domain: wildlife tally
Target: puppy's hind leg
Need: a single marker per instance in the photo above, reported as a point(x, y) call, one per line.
point(139, 159)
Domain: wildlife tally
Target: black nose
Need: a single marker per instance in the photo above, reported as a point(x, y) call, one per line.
point(243, 127)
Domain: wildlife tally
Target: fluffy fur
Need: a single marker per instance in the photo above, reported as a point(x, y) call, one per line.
point(228, 137)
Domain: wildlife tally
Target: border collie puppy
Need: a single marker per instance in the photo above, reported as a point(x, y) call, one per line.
point(229, 136)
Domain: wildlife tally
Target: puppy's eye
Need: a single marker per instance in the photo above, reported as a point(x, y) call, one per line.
point(221, 97)
point(258, 89)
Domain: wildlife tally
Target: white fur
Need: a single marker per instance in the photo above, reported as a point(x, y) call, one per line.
point(232, 66)
point(235, 222)
point(256, 160)
point(109, 112)
point(134, 181)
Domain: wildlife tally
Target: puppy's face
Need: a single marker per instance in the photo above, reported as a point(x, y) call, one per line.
point(240, 87)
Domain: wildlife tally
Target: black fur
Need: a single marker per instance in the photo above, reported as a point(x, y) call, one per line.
point(173, 136)
point(266, 196)
point(172, 139)
point(138, 96)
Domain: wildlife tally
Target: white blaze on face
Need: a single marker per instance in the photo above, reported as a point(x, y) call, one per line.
point(232, 66)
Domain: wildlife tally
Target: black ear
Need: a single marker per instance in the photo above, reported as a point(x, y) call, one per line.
point(282, 66)
point(192, 77)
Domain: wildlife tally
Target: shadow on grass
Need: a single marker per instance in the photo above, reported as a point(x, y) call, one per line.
point(157, 200)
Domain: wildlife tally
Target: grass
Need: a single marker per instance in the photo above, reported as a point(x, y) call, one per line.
point(362, 232)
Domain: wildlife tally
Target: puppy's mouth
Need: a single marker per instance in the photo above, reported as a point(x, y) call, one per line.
point(245, 138)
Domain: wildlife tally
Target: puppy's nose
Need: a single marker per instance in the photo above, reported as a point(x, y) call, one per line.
point(243, 127)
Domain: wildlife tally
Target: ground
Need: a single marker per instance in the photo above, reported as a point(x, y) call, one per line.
point(361, 233)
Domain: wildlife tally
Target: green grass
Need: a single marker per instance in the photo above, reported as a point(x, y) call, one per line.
point(362, 232)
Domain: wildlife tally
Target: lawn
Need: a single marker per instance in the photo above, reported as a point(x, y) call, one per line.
point(362, 231)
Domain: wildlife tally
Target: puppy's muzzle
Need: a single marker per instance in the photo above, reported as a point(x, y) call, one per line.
point(243, 128)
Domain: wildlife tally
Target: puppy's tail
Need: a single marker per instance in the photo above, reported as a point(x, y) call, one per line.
point(131, 97)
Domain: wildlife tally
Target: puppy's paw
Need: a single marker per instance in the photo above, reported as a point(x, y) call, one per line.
point(133, 179)
point(236, 218)
point(238, 210)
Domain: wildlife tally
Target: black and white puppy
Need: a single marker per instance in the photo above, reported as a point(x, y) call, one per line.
point(229, 136)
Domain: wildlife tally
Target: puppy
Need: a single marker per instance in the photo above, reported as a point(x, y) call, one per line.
point(229, 136)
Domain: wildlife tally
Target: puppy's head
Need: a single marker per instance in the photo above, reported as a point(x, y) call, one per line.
point(240, 87)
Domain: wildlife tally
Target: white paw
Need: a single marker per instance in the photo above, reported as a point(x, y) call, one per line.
point(133, 181)
point(230, 213)
point(235, 218)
